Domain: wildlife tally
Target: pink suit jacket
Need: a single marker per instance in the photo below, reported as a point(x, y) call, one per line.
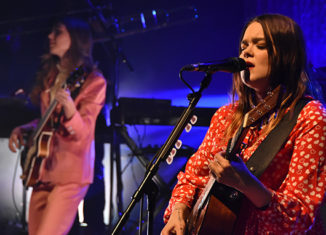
point(72, 153)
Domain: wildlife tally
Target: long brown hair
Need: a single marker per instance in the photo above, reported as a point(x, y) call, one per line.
point(79, 53)
point(287, 60)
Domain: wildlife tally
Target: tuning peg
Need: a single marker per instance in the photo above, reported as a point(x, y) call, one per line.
point(193, 119)
point(173, 152)
point(169, 159)
point(178, 144)
point(188, 127)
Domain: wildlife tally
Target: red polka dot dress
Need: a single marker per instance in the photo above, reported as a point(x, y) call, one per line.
point(296, 175)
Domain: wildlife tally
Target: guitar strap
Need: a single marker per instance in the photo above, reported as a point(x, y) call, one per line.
point(270, 146)
point(265, 153)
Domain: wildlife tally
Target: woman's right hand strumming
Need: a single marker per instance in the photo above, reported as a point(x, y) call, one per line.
point(16, 139)
point(17, 136)
point(177, 222)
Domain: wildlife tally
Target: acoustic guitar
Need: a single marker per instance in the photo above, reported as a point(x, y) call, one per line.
point(38, 143)
point(219, 208)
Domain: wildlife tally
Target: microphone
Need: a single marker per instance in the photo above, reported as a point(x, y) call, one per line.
point(230, 65)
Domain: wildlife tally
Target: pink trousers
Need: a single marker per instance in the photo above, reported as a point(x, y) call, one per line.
point(53, 208)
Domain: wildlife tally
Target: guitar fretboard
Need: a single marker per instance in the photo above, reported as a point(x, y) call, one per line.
point(44, 119)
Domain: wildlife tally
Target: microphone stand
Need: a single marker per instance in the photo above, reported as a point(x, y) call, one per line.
point(111, 95)
point(146, 185)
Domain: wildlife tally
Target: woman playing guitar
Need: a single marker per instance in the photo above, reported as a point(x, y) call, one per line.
point(287, 197)
point(67, 167)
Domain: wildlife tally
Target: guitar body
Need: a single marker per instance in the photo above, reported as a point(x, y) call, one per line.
point(38, 145)
point(32, 157)
point(211, 224)
point(221, 209)
point(217, 214)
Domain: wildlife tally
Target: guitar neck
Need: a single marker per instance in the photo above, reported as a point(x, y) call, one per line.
point(77, 77)
point(44, 119)
point(235, 143)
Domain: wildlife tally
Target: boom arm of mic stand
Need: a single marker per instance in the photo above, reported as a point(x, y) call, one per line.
point(163, 153)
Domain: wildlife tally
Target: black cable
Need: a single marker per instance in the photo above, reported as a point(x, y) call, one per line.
point(139, 137)
point(184, 81)
point(128, 163)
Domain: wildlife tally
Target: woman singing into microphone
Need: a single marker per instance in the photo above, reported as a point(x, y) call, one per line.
point(287, 197)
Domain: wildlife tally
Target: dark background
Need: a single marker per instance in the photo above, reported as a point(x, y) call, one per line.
point(186, 31)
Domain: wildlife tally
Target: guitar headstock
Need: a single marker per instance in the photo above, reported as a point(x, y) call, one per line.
point(76, 78)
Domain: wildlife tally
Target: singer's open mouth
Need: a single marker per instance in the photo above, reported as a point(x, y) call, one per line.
point(249, 64)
